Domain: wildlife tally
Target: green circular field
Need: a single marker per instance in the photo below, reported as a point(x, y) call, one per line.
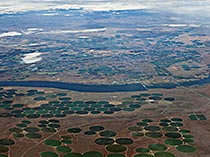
point(135, 128)
point(169, 99)
point(18, 105)
point(124, 141)
point(73, 155)
point(3, 149)
point(92, 154)
point(172, 135)
point(6, 142)
point(47, 115)
point(33, 135)
point(183, 131)
point(33, 116)
point(104, 141)
point(63, 149)
point(147, 120)
point(176, 124)
point(52, 142)
point(165, 120)
point(95, 112)
point(115, 155)
point(116, 148)
point(173, 142)
point(49, 130)
point(3, 155)
point(137, 134)
point(31, 129)
point(21, 125)
point(90, 132)
point(107, 133)
point(186, 148)
point(145, 94)
point(177, 119)
point(54, 121)
point(61, 94)
point(188, 136)
point(142, 150)
point(54, 125)
point(157, 147)
point(18, 135)
point(142, 124)
point(17, 130)
point(155, 98)
point(66, 141)
point(74, 130)
point(163, 124)
point(164, 154)
point(154, 134)
point(143, 155)
point(152, 128)
point(170, 128)
point(188, 140)
point(48, 154)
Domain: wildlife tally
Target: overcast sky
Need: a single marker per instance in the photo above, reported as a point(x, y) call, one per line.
point(190, 7)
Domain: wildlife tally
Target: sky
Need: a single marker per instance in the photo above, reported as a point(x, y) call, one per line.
point(189, 7)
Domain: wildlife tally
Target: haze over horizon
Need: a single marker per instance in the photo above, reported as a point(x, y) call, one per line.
point(187, 7)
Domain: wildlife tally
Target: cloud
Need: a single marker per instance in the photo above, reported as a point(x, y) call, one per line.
point(32, 58)
point(9, 34)
point(181, 25)
point(194, 7)
point(74, 31)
